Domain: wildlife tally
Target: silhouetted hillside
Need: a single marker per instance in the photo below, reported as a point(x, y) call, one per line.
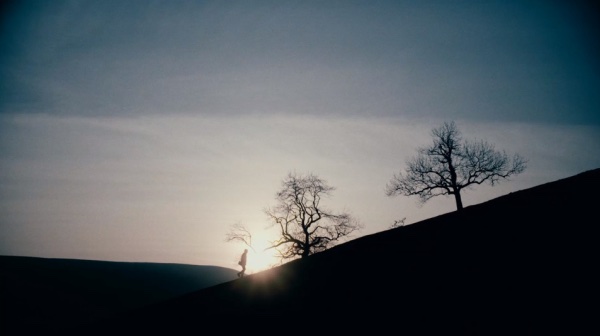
point(40, 294)
point(515, 265)
point(521, 264)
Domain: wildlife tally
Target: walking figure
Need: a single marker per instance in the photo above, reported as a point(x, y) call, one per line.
point(242, 263)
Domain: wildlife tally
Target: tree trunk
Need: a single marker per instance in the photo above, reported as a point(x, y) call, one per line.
point(455, 188)
point(459, 204)
point(306, 247)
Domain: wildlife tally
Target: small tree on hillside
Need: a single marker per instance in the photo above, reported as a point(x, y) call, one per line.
point(450, 165)
point(305, 226)
point(238, 232)
point(398, 223)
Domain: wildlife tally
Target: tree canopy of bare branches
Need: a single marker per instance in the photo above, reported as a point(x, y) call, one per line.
point(452, 164)
point(305, 226)
point(238, 232)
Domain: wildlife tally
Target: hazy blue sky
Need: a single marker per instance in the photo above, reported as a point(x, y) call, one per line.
point(141, 130)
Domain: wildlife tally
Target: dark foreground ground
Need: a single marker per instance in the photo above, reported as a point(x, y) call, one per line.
point(38, 294)
point(521, 264)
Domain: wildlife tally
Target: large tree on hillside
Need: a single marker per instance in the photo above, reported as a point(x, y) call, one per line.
point(305, 226)
point(452, 164)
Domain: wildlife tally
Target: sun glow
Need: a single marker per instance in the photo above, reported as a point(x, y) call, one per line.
point(260, 258)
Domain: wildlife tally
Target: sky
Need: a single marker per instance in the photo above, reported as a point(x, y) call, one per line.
point(143, 130)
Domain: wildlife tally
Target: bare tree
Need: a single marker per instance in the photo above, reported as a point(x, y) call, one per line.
point(238, 232)
point(305, 226)
point(450, 165)
point(398, 223)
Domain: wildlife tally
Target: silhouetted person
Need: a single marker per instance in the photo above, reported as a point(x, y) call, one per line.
point(242, 263)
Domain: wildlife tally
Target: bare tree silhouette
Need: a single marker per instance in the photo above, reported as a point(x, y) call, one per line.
point(305, 226)
point(452, 164)
point(238, 232)
point(398, 223)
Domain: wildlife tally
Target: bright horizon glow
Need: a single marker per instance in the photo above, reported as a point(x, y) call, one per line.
point(259, 261)
point(137, 189)
point(259, 257)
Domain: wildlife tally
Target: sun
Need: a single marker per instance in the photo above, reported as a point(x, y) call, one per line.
point(259, 261)
point(260, 258)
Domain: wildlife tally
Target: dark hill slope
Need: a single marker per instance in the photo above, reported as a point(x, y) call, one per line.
point(40, 293)
point(520, 264)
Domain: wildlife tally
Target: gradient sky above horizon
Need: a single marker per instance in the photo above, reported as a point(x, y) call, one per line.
point(142, 130)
